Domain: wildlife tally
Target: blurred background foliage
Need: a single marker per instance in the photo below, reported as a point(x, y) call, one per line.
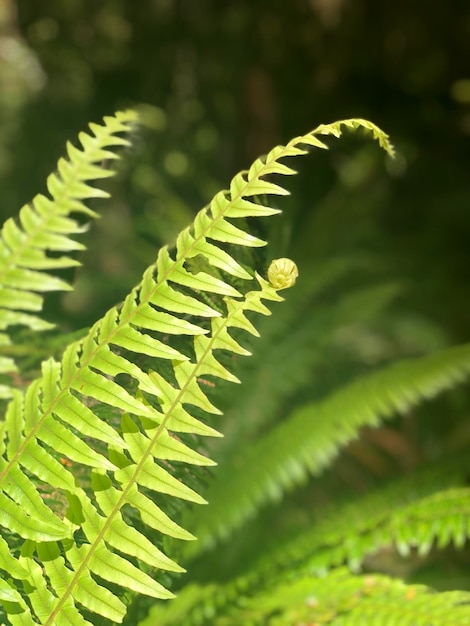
point(222, 82)
point(382, 247)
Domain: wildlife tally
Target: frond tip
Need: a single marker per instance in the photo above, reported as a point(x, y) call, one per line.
point(282, 273)
point(378, 134)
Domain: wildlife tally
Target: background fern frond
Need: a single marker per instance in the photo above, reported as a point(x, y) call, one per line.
point(426, 508)
point(341, 599)
point(417, 511)
point(311, 437)
point(338, 599)
point(42, 240)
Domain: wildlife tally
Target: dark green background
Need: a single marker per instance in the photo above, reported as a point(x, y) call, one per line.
point(230, 80)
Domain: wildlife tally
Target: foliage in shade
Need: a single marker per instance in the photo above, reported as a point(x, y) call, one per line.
point(338, 599)
point(416, 512)
point(345, 600)
point(310, 438)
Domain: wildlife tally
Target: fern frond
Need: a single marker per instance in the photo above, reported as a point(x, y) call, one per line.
point(45, 226)
point(137, 458)
point(341, 599)
point(311, 437)
point(56, 413)
point(426, 508)
point(337, 599)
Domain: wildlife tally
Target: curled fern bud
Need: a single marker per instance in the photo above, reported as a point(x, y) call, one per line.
point(282, 273)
